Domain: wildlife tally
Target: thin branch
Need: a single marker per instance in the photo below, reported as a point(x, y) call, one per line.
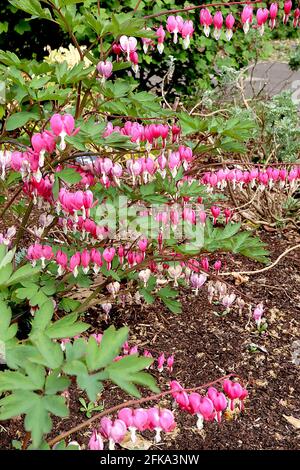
point(258, 271)
point(136, 6)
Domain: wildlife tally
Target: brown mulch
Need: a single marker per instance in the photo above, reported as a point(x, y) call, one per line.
point(207, 346)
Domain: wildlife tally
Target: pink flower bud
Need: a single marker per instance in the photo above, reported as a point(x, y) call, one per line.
point(170, 363)
point(105, 69)
point(160, 33)
point(217, 265)
point(160, 362)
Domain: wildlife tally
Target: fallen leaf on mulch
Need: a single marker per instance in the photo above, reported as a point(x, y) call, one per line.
point(267, 228)
point(295, 422)
point(139, 444)
point(239, 279)
point(261, 383)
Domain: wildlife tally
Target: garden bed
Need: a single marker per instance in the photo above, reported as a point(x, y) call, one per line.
point(207, 346)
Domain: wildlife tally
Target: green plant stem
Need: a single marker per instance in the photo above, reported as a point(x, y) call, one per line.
point(77, 110)
point(137, 6)
point(69, 30)
point(132, 403)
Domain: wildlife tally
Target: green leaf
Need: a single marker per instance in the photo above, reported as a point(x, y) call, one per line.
point(5, 274)
point(39, 82)
point(51, 353)
point(22, 27)
point(39, 298)
point(92, 354)
point(7, 258)
point(56, 383)
point(74, 367)
point(69, 175)
point(230, 230)
point(17, 403)
point(37, 420)
point(109, 348)
point(191, 124)
point(173, 305)
point(67, 327)
point(19, 120)
point(127, 372)
point(27, 292)
point(56, 405)
point(22, 273)
point(76, 350)
point(36, 374)
point(68, 304)
point(33, 7)
point(91, 384)
point(7, 331)
point(167, 292)
point(147, 296)
point(3, 27)
point(11, 380)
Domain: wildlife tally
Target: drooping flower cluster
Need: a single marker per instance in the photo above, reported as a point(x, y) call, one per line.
point(139, 419)
point(70, 203)
point(255, 177)
point(152, 135)
point(211, 406)
point(177, 25)
point(127, 46)
point(31, 162)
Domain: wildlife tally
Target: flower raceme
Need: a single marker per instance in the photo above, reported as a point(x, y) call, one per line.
point(73, 202)
point(211, 406)
point(150, 134)
point(176, 25)
point(255, 177)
